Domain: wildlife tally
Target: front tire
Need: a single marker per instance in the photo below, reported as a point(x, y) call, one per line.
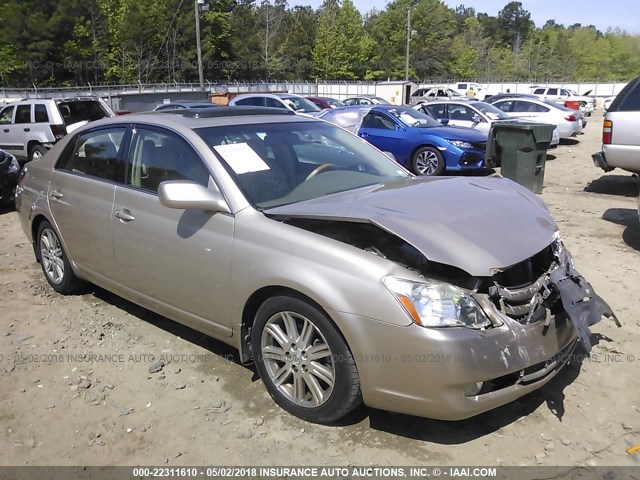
point(303, 361)
point(427, 161)
point(54, 262)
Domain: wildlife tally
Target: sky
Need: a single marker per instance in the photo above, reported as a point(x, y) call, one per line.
point(601, 13)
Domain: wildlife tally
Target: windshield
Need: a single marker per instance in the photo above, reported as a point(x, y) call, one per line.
point(413, 118)
point(490, 111)
point(379, 101)
point(302, 104)
point(281, 163)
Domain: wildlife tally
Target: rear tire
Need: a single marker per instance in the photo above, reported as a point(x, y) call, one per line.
point(303, 360)
point(36, 152)
point(54, 262)
point(427, 161)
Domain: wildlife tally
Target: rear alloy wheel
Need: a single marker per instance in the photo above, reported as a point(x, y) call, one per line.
point(304, 363)
point(54, 262)
point(36, 152)
point(427, 161)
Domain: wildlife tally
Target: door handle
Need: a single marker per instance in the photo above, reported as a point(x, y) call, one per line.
point(56, 194)
point(364, 134)
point(27, 129)
point(6, 130)
point(124, 215)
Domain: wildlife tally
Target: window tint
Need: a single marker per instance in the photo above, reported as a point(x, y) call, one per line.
point(462, 86)
point(505, 106)
point(157, 157)
point(437, 111)
point(565, 93)
point(378, 121)
point(253, 102)
point(553, 91)
point(23, 114)
point(528, 107)
point(631, 101)
point(40, 113)
point(459, 112)
point(538, 91)
point(96, 153)
point(273, 103)
point(6, 114)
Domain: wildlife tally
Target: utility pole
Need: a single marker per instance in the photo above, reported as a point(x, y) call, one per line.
point(200, 6)
point(406, 67)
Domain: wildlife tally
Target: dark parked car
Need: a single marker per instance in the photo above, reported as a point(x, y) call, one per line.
point(417, 141)
point(326, 102)
point(9, 168)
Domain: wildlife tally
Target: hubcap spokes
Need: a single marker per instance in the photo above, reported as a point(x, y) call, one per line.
point(298, 359)
point(51, 256)
point(427, 163)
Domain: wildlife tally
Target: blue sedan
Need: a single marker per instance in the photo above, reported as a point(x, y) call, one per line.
point(417, 141)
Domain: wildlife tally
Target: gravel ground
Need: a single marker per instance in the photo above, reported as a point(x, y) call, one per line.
point(76, 387)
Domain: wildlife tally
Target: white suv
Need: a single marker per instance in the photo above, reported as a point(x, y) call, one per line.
point(30, 127)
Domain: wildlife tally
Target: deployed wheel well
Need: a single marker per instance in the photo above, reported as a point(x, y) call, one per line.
point(251, 308)
point(35, 225)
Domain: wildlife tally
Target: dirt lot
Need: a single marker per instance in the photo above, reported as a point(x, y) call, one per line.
point(60, 408)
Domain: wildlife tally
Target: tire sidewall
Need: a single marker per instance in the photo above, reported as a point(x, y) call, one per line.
point(69, 281)
point(35, 148)
point(335, 407)
point(441, 161)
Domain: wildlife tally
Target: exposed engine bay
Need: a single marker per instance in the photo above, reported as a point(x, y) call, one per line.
point(533, 290)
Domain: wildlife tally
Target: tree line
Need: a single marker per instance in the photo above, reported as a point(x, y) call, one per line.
point(53, 43)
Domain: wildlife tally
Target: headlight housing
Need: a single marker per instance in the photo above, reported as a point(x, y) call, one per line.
point(460, 144)
point(435, 304)
point(14, 166)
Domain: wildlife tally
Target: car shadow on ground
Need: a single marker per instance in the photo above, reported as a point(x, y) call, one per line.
point(627, 217)
point(569, 141)
point(621, 185)
point(7, 208)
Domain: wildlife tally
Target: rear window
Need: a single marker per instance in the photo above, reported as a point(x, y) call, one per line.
point(81, 110)
point(632, 101)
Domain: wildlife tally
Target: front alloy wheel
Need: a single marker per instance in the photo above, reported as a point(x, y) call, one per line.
point(303, 360)
point(428, 161)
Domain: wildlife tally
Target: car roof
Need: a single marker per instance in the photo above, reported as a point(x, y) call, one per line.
point(213, 117)
point(267, 95)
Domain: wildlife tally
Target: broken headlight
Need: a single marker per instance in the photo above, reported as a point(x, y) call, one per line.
point(561, 253)
point(437, 304)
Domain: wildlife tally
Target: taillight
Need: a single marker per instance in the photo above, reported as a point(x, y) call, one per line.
point(570, 118)
point(58, 131)
point(607, 130)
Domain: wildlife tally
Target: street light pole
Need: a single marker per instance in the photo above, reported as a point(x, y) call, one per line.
point(198, 46)
point(406, 68)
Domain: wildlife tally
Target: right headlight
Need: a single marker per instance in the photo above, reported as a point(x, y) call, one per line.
point(431, 303)
point(14, 166)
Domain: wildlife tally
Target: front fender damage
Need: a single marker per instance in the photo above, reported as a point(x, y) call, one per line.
point(582, 304)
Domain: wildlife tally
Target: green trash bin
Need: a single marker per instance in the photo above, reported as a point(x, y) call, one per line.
point(520, 149)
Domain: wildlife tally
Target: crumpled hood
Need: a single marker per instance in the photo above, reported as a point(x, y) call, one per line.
point(456, 133)
point(478, 224)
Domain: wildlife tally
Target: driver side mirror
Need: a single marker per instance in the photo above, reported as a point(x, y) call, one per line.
point(186, 195)
point(444, 121)
point(476, 118)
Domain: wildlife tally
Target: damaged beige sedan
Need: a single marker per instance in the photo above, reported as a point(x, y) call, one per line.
point(342, 276)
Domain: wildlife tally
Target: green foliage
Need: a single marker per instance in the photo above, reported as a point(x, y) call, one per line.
point(46, 42)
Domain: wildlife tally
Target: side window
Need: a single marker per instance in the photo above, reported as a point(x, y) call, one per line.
point(273, 103)
point(525, 107)
point(462, 86)
point(459, 112)
point(553, 91)
point(96, 153)
point(538, 91)
point(6, 114)
point(541, 108)
point(40, 113)
point(505, 106)
point(377, 121)
point(565, 93)
point(157, 157)
point(252, 102)
point(23, 114)
point(631, 102)
point(431, 93)
point(437, 111)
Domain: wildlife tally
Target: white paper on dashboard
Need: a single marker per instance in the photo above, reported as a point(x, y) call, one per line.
point(241, 158)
